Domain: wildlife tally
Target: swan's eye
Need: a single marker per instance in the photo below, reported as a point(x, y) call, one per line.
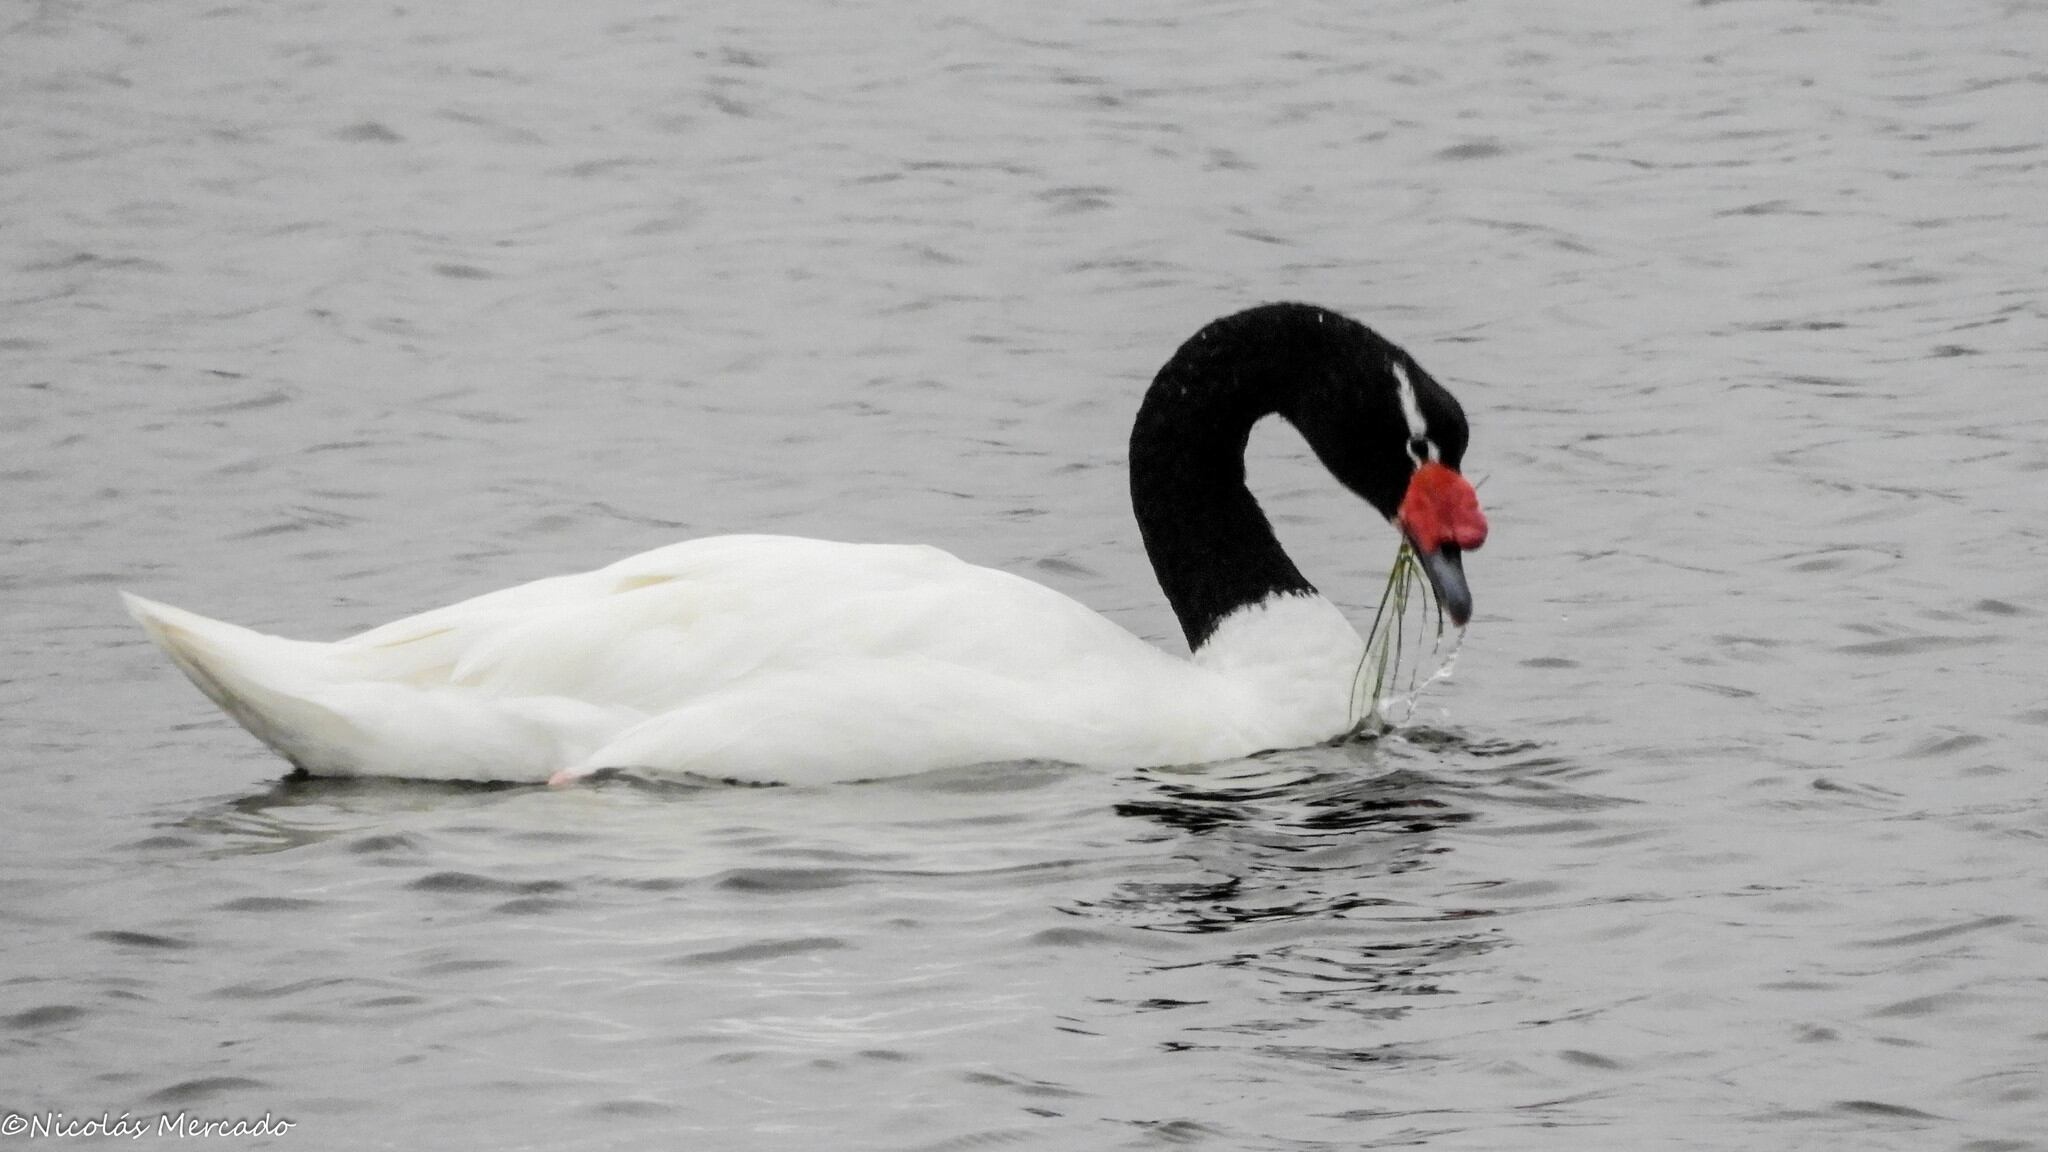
point(1421, 448)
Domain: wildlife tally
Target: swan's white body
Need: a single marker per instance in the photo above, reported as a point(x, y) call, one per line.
point(771, 658)
point(774, 659)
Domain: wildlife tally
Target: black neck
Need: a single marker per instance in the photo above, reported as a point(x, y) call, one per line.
point(1211, 547)
point(1367, 409)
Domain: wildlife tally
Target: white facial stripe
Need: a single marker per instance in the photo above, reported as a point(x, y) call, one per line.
point(1411, 411)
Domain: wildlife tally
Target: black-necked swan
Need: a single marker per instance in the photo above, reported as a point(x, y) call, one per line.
point(781, 659)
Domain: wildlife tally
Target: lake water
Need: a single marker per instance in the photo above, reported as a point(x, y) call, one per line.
point(1730, 831)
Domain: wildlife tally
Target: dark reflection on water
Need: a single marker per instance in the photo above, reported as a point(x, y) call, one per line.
point(1312, 872)
point(1299, 831)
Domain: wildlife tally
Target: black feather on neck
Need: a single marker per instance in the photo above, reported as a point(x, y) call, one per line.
point(1212, 548)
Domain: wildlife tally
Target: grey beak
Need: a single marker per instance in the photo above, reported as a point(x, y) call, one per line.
point(1446, 572)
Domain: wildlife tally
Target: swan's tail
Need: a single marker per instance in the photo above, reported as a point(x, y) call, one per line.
point(266, 683)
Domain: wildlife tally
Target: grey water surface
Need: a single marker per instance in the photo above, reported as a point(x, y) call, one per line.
point(1729, 832)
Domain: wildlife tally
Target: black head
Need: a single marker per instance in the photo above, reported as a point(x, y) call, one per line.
point(1370, 412)
point(1380, 423)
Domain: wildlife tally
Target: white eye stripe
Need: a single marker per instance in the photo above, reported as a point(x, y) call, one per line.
point(1411, 411)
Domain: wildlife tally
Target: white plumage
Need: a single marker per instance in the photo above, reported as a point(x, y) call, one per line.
point(769, 658)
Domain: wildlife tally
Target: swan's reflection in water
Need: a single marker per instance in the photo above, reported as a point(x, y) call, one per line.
point(1323, 883)
point(298, 810)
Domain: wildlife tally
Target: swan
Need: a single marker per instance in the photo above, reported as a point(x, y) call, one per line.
point(778, 659)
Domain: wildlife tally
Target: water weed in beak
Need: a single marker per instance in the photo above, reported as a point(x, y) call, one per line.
point(1407, 632)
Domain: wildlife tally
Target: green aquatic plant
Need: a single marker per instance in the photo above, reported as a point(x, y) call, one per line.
point(1408, 615)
